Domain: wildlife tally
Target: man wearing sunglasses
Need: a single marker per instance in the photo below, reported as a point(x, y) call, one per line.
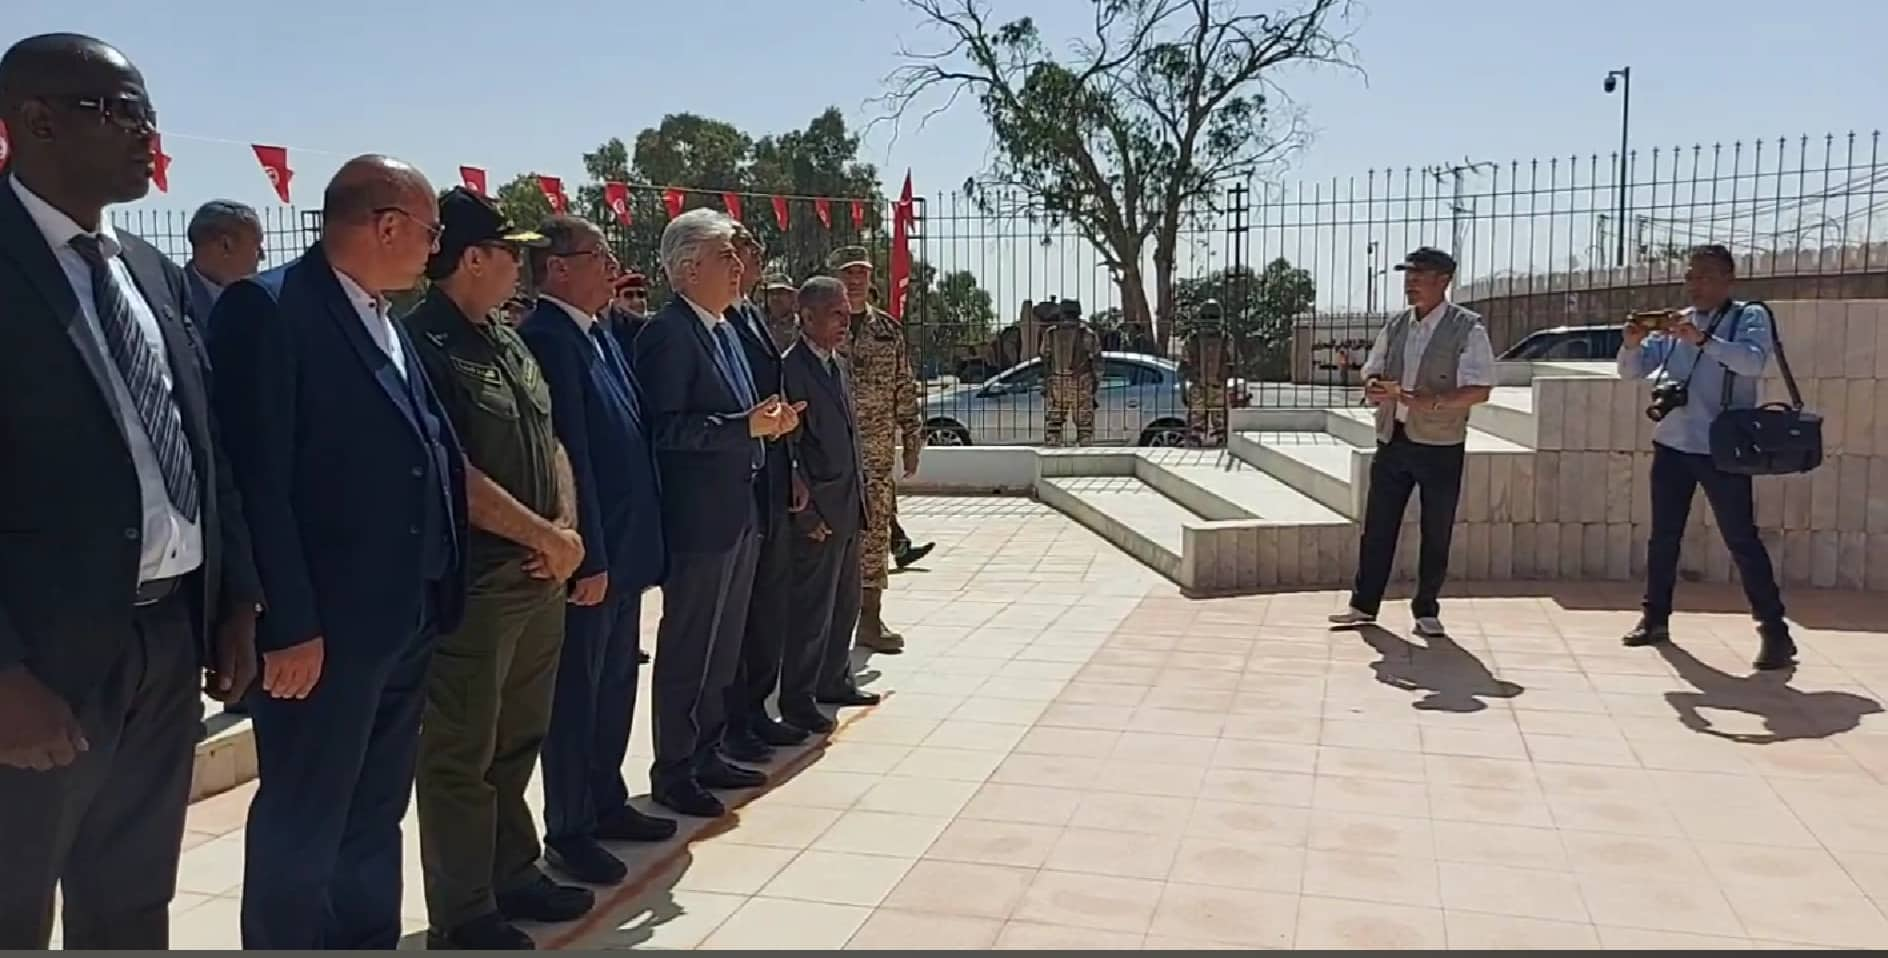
point(125, 571)
point(358, 493)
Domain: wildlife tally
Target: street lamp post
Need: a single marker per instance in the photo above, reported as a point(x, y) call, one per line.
point(1622, 80)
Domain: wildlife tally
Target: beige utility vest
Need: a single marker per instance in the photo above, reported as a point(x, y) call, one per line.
point(1435, 372)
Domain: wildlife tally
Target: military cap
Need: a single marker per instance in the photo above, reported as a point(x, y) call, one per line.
point(1428, 259)
point(632, 282)
point(773, 281)
point(1072, 309)
point(467, 219)
point(1045, 311)
point(1210, 310)
point(846, 256)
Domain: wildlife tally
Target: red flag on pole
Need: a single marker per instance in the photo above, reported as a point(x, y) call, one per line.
point(553, 189)
point(160, 164)
point(672, 199)
point(858, 215)
point(474, 179)
point(733, 203)
point(617, 196)
point(3, 144)
point(274, 160)
point(823, 208)
point(902, 216)
point(780, 211)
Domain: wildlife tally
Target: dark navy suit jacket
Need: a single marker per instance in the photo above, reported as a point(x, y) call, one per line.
point(598, 414)
point(773, 489)
point(703, 450)
point(334, 465)
point(826, 454)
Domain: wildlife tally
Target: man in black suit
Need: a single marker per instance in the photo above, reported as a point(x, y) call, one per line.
point(825, 544)
point(359, 522)
point(752, 734)
point(125, 549)
point(710, 429)
point(600, 420)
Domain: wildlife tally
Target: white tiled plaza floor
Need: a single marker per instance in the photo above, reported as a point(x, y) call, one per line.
point(1073, 755)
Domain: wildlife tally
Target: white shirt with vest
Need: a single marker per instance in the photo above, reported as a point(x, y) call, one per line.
point(1476, 366)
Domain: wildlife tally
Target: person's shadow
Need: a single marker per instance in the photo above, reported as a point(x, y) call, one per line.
point(1788, 714)
point(1455, 680)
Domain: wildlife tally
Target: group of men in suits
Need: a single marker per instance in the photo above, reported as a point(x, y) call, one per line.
point(424, 540)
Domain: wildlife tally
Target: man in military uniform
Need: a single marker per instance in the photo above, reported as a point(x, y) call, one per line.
point(886, 403)
point(628, 310)
point(488, 689)
point(1071, 359)
point(779, 297)
point(1204, 365)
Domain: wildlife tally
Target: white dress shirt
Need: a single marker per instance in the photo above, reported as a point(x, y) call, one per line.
point(1475, 368)
point(373, 313)
point(708, 319)
point(172, 545)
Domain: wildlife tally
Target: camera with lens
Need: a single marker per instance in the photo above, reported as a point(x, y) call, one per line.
point(1666, 398)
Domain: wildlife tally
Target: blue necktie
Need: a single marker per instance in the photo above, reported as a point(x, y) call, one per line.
point(735, 364)
point(614, 359)
point(137, 364)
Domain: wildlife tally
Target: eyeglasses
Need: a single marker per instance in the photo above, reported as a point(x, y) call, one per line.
point(129, 113)
point(433, 230)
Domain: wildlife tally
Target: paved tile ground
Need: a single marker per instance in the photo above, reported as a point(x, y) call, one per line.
point(1073, 755)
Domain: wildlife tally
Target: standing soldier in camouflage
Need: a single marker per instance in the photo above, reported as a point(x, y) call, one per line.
point(780, 298)
point(1071, 359)
point(886, 397)
point(1204, 365)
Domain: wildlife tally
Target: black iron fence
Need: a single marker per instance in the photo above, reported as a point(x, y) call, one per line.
point(1303, 270)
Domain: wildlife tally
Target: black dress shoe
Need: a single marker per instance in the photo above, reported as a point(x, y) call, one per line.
point(546, 900)
point(585, 861)
point(778, 734)
point(719, 774)
point(1647, 633)
point(1778, 651)
point(911, 553)
point(628, 824)
point(850, 698)
point(484, 933)
point(809, 719)
point(642, 658)
point(688, 798)
point(747, 748)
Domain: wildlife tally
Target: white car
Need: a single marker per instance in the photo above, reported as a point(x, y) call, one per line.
point(1139, 402)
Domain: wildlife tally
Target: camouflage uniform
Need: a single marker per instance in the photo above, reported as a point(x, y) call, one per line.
point(887, 406)
point(785, 330)
point(1071, 360)
point(1205, 363)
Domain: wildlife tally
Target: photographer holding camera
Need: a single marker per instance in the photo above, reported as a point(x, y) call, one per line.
point(1701, 363)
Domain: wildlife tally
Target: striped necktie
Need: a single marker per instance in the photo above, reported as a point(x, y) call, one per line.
point(143, 378)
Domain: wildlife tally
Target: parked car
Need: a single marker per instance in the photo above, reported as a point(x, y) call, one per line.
point(1140, 401)
point(1568, 343)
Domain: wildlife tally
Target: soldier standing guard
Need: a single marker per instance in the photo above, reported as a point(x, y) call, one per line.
point(886, 403)
point(1204, 365)
point(1071, 358)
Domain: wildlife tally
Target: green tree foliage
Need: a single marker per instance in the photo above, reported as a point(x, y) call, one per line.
point(1259, 311)
point(949, 319)
point(1128, 132)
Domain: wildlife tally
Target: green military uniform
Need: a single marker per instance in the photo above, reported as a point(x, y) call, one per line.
point(785, 329)
point(1071, 363)
point(489, 687)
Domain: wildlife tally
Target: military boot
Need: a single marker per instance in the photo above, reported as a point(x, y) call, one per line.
point(872, 633)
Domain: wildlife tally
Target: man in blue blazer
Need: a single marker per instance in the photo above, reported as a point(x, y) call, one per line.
point(711, 431)
point(599, 418)
point(359, 518)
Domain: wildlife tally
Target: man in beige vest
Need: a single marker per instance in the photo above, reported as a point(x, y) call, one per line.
point(1427, 369)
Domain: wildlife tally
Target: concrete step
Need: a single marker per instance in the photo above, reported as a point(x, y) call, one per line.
point(1222, 487)
point(1508, 413)
point(1320, 465)
point(1127, 512)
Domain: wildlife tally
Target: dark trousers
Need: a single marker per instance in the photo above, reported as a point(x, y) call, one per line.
point(106, 829)
point(1674, 477)
point(321, 862)
point(826, 607)
point(590, 716)
point(1400, 467)
point(698, 650)
point(764, 639)
point(488, 703)
point(900, 541)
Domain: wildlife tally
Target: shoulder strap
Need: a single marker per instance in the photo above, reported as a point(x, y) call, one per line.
point(1783, 359)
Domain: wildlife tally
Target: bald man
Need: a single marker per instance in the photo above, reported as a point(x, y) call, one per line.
point(358, 531)
point(125, 550)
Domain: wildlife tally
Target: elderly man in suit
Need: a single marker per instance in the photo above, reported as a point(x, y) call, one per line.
point(828, 526)
point(357, 490)
point(711, 430)
point(126, 569)
point(225, 246)
point(599, 417)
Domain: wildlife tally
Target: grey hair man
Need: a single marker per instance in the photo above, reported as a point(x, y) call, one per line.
point(710, 430)
point(225, 246)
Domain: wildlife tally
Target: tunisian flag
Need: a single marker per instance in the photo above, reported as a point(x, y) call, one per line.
point(672, 201)
point(474, 179)
point(616, 196)
point(733, 202)
point(274, 160)
point(902, 216)
point(553, 189)
point(160, 164)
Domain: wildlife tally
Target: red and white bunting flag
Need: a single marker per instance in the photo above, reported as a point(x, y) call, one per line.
point(823, 208)
point(858, 215)
point(474, 179)
point(672, 200)
point(617, 196)
point(780, 211)
point(553, 189)
point(274, 160)
point(160, 164)
point(733, 202)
